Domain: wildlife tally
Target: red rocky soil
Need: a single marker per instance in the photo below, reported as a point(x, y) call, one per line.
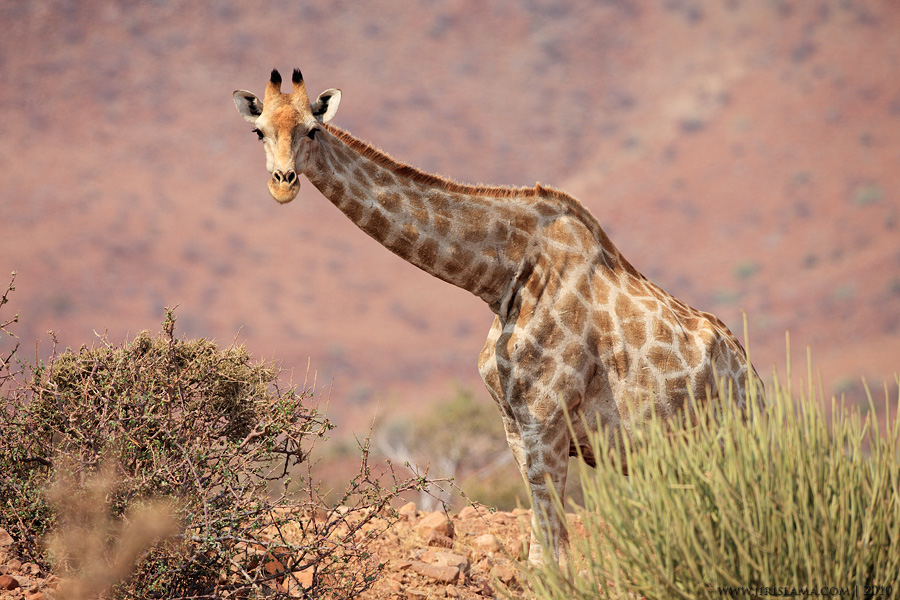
point(468, 555)
point(20, 579)
point(426, 555)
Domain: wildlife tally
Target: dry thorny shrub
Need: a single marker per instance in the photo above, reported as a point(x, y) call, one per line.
point(6, 362)
point(207, 433)
point(89, 549)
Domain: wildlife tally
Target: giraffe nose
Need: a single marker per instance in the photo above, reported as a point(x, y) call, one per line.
point(289, 177)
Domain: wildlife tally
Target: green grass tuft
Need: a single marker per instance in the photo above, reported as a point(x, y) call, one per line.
point(804, 498)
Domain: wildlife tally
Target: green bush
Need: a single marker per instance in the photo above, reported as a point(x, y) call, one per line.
point(184, 464)
point(799, 500)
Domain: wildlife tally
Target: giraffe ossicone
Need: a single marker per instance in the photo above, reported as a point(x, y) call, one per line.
point(577, 330)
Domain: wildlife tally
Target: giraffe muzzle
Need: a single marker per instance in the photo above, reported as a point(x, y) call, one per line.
point(284, 185)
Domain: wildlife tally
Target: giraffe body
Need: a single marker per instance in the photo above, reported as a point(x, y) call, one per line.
point(577, 329)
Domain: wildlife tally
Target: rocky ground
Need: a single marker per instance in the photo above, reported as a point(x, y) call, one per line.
point(469, 555)
point(20, 579)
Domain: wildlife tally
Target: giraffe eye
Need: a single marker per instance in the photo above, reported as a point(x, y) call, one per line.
point(258, 133)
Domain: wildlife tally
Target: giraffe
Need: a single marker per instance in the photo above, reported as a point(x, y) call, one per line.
point(577, 330)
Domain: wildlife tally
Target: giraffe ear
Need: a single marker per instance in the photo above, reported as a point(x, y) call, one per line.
point(326, 105)
point(248, 105)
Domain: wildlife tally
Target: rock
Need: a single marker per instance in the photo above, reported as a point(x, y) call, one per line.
point(403, 564)
point(451, 559)
point(470, 511)
point(273, 567)
point(452, 592)
point(487, 543)
point(436, 521)
point(484, 565)
point(394, 585)
point(437, 539)
point(5, 538)
point(8, 583)
point(14, 565)
point(424, 555)
point(274, 564)
point(408, 511)
point(467, 512)
point(505, 573)
point(443, 574)
point(298, 581)
point(35, 596)
point(518, 546)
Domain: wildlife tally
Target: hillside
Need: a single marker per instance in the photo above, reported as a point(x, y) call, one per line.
point(743, 155)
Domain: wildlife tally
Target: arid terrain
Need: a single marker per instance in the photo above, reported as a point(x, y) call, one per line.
point(469, 555)
point(743, 155)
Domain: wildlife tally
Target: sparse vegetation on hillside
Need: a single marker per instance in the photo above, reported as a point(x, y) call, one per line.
point(802, 499)
point(185, 462)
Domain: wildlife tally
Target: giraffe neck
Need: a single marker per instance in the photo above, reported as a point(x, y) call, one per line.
point(473, 237)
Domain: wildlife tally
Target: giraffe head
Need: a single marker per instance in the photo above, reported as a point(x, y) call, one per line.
point(287, 125)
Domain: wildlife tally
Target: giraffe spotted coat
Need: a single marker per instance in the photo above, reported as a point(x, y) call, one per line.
point(576, 329)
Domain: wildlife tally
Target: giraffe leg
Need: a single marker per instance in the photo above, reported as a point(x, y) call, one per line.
point(537, 434)
point(546, 468)
point(487, 366)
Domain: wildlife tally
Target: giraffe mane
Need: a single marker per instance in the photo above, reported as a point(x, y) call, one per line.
point(404, 170)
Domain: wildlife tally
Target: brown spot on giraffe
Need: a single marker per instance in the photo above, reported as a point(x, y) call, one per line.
point(377, 225)
point(573, 313)
point(574, 354)
point(626, 309)
point(409, 232)
point(442, 225)
point(636, 288)
point(337, 191)
point(428, 250)
point(370, 169)
point(593, 289)
point(560, 232)
point(662, 331)
point(585, 237)
point(356, 190)
point(636, 331)
point(354, 209)
point(383, 178)
point(603, 324)
point(390, 201)
point(690, 351)
point(549, 335)
point(361, 177)
point(461, 260)
point(516, 247)
point(523, 221)
point(475, 234)
point(659, 357)
point(547, 369)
